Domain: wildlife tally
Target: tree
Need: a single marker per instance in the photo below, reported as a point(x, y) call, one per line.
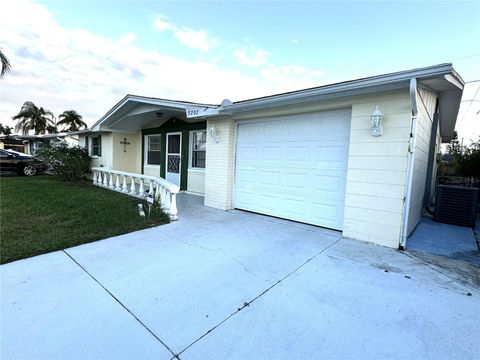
point(52, 129)
point(5, 64)
point(5, 130)
point(71, 121)
point(466, 161)
point(455, 148)
point(34, 118)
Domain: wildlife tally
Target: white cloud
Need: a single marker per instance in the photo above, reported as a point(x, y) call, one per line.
point(283, 76)
point(161, 25)
point(258, 58)
point(128, 38)
point(62, 69)
point(195, 39)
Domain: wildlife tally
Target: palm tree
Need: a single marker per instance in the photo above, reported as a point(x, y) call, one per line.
point(71, 120)
point(52, 129)
point(34, 118)
point(6, 67)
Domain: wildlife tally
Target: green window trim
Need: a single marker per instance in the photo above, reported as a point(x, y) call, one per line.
point(169, 127)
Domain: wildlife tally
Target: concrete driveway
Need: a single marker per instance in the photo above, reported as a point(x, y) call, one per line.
point(234, 285)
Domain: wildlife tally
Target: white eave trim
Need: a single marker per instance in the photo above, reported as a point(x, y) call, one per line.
point(355, 87)
point(173, 104)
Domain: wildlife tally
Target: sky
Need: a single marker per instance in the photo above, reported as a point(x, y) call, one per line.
point(87, 55)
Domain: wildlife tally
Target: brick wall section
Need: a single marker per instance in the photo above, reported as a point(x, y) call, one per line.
point(219, 166)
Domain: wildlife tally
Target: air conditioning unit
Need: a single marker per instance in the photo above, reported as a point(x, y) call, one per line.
point(456, 205)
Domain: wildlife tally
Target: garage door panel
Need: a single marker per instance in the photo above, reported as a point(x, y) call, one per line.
point(294, 167)
point(326, 214)
point(329, 155)
point(246, 176)
point(271, 153)
point(298, 153)
point(299, 129)
point(269, 177)
point(296, 180)
point(272, 130)
point(329, 184)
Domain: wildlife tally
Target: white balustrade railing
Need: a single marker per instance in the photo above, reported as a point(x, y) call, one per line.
point(140, 186)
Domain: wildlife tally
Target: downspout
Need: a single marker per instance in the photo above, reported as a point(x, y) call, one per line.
point(410, 163)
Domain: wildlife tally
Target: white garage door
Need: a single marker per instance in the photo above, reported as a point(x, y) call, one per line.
point(294, 167)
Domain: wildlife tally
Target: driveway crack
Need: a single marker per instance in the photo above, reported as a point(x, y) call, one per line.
point(121, 304)
point(226, 255)
point(248, 303)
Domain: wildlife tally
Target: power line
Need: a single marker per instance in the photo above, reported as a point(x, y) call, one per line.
point(469, 106)
point(466, 57)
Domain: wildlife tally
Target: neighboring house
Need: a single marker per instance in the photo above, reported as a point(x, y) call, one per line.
point(12, 142)
point(35, 141)
point(318, 156)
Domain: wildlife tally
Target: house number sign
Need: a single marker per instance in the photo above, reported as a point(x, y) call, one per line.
point(199, 111)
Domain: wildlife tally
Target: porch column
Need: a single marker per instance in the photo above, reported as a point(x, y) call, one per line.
point(219, 167)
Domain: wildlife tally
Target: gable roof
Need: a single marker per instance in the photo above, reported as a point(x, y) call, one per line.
point(129, 98)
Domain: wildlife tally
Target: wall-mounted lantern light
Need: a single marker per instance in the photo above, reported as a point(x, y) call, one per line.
point(213, 134)
point(377, 118)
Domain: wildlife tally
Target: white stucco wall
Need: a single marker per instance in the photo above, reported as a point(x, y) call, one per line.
point(426, 101)
point(113, 156)
point(130, 160)
point(106, 160)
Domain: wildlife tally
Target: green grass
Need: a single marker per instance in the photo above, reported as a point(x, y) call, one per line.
point(41, 214)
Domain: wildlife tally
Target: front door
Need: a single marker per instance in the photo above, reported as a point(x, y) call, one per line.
point(174, 150)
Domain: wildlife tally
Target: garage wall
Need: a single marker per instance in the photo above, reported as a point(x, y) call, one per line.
point(426, 101)
point(376, 165)
point(377, 168)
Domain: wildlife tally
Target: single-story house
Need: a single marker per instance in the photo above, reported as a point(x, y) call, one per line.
point(356, 156)
point(12, 142)
point(29, 143)
point(35, 141)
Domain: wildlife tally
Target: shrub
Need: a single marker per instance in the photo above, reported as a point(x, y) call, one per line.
point(71, 163)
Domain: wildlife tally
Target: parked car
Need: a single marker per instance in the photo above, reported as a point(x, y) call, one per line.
point(12, 161)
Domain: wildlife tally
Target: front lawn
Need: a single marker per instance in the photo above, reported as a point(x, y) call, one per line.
point(42, 213)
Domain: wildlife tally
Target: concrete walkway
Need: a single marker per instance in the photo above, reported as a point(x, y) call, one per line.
point(217, 285)
point(456, 242)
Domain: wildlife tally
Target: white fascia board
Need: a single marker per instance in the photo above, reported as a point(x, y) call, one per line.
point(79, 132)
point(355, 87)
point(173, 104)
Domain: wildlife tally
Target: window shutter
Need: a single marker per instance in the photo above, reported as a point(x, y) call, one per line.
point(86, 145)
point(99, 145)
